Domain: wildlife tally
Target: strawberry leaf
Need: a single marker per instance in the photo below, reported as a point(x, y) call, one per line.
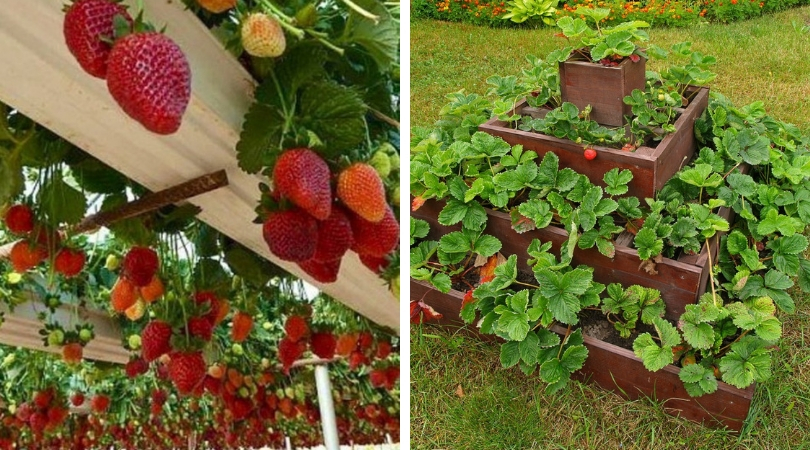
point(380, 39)
point(698, 380)
point(335, 114)
point(510, 354)
point(261, 137)
point(62, 203)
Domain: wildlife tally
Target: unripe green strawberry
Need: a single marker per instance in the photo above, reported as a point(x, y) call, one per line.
point(111, 263)
point(307, 16)
point(394, 159)
point(56, 338)
point(263, 36)
point(134, 341)
point(361, 190)
point(395, 196)
point(381, 163)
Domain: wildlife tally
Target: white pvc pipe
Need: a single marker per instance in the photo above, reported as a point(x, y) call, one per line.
point(327, 406)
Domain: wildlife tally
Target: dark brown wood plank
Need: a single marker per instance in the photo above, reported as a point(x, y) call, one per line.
point(585, 83)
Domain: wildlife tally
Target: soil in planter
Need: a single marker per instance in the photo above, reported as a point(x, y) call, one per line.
point(595, 325)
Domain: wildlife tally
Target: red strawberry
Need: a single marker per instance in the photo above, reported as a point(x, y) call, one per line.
point(302, 176)
point(364, 341)
point(20, 219)
point(361, 189)
point(56, 416)
point(77, 399)
point(392, 373)
point(24, 412)
point(242, 324)
point(335, 236)
point(321, 271)
point(589, 154)
point(378, 378)
point(72, 353)
point(149, 77)
point(291, 235)
point(201, 327)
point(25, 256)
point(376, 264)
point(159, 397)
point(135, 367)
point(38, 422)
point(357, 359)
point(383, 349)
point(375, 239)
point(240, 408)
point(123, 295)
point(42, 399)
point(155, 339)
point(86, 23)
point(289, 351)
point(69, 262)
point(323, 344)
point(296, 328)
point(99, 403)
point(140, 265)
point(187, 371)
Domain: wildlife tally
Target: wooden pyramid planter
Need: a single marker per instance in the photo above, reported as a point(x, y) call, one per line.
point(651, 167)
point(584, 83)
point(681, 281)
point(619, 370)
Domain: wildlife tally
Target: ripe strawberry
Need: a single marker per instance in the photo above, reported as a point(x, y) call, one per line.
point(321, 271)
point(240, 408)
point(201, 327)
point(383, 349)
point(364, 341)
point(187, 371)
point(77, 399)
point(159, 397)
point(376, 264)
point(140, 266)
point(296, 328)
point(123, 295)
point(378, 378)
point(242, 324)
point(152, 291)
point(38, 422)
point(56, 416)
point(20, 219)
point(135, 367)
point(149, 77)
point(87, 22)
point(392, 373)
point(323, 344)
point(136, 311)
point(361, 189)
point(346, 344)
point(357, 359)
point(155, 339)
point(291, 235)
point(289, 351)
point(302, 176)
point(25, 256)
point(72, 353)
point(43, 398)
point(69, 262)
point(99, 403)
point(335, 236)
point(589, 154)
point(217, 6)
point(263, 36)
point(375, 239)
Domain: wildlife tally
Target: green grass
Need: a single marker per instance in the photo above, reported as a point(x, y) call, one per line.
point(763, 59)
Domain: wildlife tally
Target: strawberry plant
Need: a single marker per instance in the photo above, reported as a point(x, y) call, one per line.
point(605, 45)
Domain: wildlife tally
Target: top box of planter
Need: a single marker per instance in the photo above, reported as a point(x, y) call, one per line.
point(652, 167)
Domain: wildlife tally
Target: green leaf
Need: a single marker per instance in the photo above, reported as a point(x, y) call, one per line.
point(668, 333)
point(209, 275)
point(335, 113)
point(539, 211)
point(547, 339)
point(770, 329)
point(510, 354)
point(419, 229)
point(742, 184)
point(516, 325)
point(520, 301)
point(748, 362)
point(529, 349)
point(261, 137)
point(647, 244)
point(61, 203)
point(574, 357)
point(736, 243)
point(701, 176)
point(698, 335)
point(442, 282)
point(487, 245)
point(698, 380)
point(380, 39)
point(472, 215)
point(514, 180)
point(773, 221)
point(253, 269)
point(553, 371)
point(654, 357)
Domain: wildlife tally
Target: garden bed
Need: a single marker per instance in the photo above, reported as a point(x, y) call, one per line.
point(652, 167)
point(681, 281)
point(619, 370)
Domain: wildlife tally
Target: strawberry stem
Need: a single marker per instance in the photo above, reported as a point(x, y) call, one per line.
point(284, 20)
point(363, 12)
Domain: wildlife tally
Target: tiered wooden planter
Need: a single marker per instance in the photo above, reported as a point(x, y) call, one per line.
point(651, 167)
point(585, 83)
point(619, 370)
point(681, 281)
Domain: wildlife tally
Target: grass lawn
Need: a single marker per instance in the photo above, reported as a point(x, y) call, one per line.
point(460, 396)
